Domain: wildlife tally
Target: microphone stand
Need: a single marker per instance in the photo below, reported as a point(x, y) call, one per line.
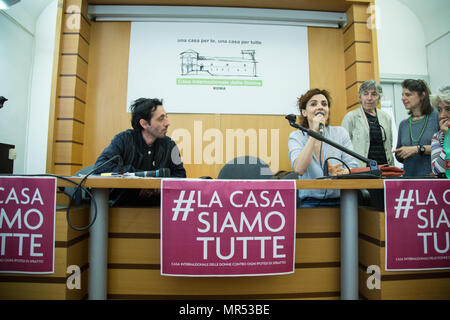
point(372, 164)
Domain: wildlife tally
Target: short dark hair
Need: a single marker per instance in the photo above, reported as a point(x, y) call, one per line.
point(420, 87)
point(303, 100)
point(143, 108)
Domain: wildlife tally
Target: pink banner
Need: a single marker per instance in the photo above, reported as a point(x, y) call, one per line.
point(27, 224)
point(417, 224)
point(227, 227)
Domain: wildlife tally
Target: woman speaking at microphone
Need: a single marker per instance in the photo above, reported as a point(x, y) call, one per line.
point(309, 155)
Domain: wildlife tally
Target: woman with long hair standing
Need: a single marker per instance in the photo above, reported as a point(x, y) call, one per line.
point(415, 132)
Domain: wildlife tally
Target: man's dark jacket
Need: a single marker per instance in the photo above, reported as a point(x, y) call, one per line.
point(138, 156)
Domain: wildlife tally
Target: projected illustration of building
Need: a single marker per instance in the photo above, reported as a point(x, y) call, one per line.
point(192, 63)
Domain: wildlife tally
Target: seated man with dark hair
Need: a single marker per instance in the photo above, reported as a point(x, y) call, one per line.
point(143, 148)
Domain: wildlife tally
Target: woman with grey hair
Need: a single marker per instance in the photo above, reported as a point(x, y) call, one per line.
point(369, 127)
point(440, 101)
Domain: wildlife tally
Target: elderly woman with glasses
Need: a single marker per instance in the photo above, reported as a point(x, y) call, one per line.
point(441, 102)
point(370, 128)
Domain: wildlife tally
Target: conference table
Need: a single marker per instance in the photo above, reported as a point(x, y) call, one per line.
point(98, 244)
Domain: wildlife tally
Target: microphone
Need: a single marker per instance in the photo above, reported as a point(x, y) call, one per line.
point(320, 125)
point(163, 172)
point(291, 117)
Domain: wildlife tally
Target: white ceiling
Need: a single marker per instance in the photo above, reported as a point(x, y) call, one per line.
point(424, 8)
point(32, 7)
point(433, 14)
point(26, 12)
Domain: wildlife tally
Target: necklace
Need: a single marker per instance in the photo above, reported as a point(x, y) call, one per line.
point(421, 132)
point(374, 121)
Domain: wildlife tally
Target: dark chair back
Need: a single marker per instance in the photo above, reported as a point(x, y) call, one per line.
point(80, 197)
point(84, 171)
point(245, 167)
point(291, 176)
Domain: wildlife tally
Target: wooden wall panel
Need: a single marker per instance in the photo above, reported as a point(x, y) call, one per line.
point(356, 72)
point(263, 136)
point(107, 91)
point(364, 292)
point(67, 153)
point(66, 132)
point(270, 137)
point(361, 60)
point(79, 216)
point(358, 52)
point(189, 131)
point(370, 223)
point(32, 288)
point(72, 109)
point(134, 252)
point(328, 221)
point(69, 130)
point(149, 284)
point(76, 18)
point(326, 67)
point(72, 86)
point(27, 290)
point(74, 43)
point(63, 169)
point(356, 32)
point(138, 220)
point(353, 96)
point(74, 65)
point(418, 289)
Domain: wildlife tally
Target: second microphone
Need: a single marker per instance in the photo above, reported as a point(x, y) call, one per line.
point(321, 127)
point(163, 172)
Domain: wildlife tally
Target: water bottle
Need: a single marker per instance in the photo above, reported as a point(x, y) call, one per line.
point(447, 152)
